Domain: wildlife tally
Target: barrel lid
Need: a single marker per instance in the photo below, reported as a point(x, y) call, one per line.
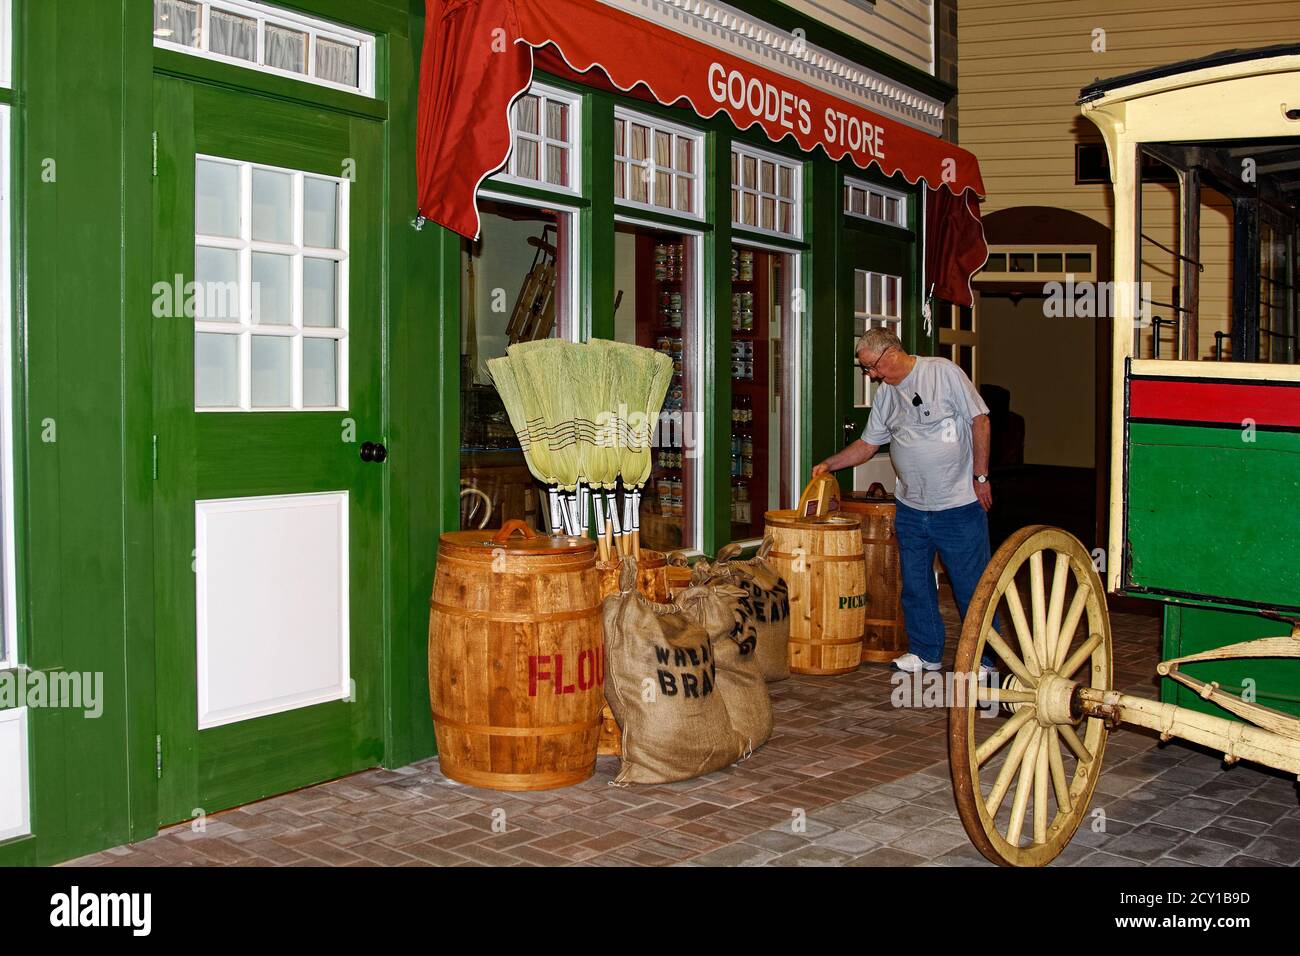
point(831, 522)
point(515, 537)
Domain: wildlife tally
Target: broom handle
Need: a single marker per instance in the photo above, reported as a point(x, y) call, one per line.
point(636, 523)
point(600, 529)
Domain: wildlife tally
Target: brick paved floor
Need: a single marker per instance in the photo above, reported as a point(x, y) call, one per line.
point(868, 781)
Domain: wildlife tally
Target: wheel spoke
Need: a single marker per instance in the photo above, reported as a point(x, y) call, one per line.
point(1077, 745)
point(1040, 791)
point(1060, 573)
point(1003, 780)
point(1021, 803)
point(1004, 733)
point(1015, 664)
point(1063, 801)
point(1081, 654)
point(1003, 695)
point(1021, 626)
point(1071, 624)
point(1038, 600)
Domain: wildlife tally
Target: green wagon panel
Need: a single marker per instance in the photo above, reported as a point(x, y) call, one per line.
point(1214, 513)
point(1275, 682)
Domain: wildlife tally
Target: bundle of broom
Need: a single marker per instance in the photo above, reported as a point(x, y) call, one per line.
point(584, 415)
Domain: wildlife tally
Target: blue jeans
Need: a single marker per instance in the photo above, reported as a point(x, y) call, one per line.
point(961, 538)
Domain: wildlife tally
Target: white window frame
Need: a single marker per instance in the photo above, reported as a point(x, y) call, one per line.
point(277, 16)
point(1038, 275)
point(877, 320)
point(861, 185)
point(796, 198)
point(245, 246)
point(510, 174)
point(9, 650)
point(567, 324)
point(696, 138)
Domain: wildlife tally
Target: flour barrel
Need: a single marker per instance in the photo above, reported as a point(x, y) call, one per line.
point(516, 658)
point(822, 563)
point(884, 637)
point(652, 582)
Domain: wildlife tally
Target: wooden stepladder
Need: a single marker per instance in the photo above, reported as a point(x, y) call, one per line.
point(533, 316)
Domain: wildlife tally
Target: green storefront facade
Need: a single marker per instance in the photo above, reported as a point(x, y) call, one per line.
point(109, 456)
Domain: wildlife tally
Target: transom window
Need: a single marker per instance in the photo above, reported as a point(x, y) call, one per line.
point(869, 201)
point(269, 39)
point(656, 164)
point(544, 123)
point(1034, 263)
point(270, 293)
point(877, 303)
point(765, 193)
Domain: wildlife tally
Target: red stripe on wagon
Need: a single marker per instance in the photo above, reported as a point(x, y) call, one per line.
point(1225, 403)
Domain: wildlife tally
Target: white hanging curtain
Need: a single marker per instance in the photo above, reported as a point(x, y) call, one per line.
point(176, 21)
point(285, 49)
point(336, 62)
point(232, 35)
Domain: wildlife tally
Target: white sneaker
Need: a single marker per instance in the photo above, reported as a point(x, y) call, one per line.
point(911, 664)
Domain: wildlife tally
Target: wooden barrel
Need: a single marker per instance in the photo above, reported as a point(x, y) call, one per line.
point(822, 563)
point(885, 637)
point(516, 658)
point(651, 581)
point(651, 576)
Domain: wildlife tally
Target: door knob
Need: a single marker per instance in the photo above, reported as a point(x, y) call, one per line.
point(850, 431)
point(373, 451)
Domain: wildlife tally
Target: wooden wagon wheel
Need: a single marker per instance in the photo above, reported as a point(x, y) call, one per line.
point(1016, 753)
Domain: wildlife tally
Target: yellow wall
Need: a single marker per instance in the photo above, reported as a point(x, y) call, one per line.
point(1021, 66)
point(901, 28)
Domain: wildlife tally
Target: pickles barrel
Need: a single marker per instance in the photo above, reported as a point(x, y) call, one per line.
point(516, 658)
point(821, 560)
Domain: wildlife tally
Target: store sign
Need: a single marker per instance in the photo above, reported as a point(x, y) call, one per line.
point(762, 100)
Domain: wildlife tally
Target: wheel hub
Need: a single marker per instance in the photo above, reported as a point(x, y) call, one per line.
point(1053, 701)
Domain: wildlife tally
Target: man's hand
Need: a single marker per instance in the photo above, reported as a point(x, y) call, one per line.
point(984, 492)
point(820, 469)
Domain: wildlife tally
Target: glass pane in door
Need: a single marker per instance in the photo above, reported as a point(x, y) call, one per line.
point(762, 402)
point(654, 276)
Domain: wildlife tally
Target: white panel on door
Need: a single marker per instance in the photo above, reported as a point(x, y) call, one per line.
point(272, 599)
point(15, 804)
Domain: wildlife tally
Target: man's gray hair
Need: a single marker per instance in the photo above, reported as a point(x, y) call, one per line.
point(875, 340)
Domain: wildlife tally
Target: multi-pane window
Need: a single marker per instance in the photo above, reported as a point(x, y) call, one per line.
point(877, 303)
point(1039, 262)
point(656, 164)
point(544, 123)
point(268, 38)
point(271, 281)
point(765, 193)
point(869, 201)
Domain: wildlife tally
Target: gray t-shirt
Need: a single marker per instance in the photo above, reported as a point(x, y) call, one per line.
point(926, 421)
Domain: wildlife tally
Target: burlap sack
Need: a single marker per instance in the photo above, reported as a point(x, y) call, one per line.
point(661, 683)
point(739, 679)
point(761, 614)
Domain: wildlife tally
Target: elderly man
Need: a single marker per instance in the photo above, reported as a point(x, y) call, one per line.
point(937, 427)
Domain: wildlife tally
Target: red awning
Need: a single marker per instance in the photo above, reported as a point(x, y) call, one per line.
point(478, 58)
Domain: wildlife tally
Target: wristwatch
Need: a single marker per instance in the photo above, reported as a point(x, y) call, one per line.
point(982, 479)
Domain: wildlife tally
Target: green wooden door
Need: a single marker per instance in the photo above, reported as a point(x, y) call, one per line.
point(874, 287)
point(268, 383)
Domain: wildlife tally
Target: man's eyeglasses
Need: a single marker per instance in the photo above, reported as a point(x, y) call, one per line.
point(879, 358)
